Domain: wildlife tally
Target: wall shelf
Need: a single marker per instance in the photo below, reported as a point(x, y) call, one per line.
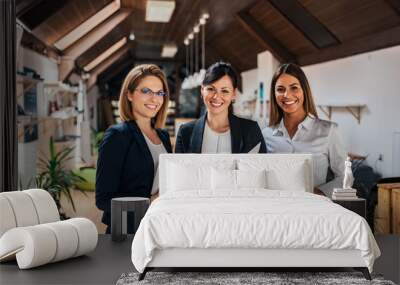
point(64, 113)
point(59, 87)
point(26, 120)
point(353, 109)
point(27, 82)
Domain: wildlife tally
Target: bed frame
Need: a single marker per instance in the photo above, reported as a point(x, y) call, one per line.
point(245, 259)
point(242, 259)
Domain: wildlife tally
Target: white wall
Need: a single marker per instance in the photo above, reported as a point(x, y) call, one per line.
point(249, 82)
point(46, 67)
point(251, 79)
point(373, 79)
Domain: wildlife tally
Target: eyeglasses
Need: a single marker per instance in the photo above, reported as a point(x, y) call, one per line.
point(148, 92)
point(210, 90)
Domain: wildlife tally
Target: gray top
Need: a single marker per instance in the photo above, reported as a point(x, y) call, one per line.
point(155, 150)
point(214, 142)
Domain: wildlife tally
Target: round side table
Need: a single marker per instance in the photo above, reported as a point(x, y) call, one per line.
point(119, 208)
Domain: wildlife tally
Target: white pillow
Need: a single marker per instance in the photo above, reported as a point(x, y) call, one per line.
point(223, 179)
point(293, 180)
point(186, 174)
point(251, 178)
point(237, 179)
point(183, 177)
point(281, 174)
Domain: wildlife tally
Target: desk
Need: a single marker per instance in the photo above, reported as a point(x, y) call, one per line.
point(102, 266)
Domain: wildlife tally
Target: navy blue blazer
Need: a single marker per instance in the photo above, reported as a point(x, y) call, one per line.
point(125, 167)
point(245, 135)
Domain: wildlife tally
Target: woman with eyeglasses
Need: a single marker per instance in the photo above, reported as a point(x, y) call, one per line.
point(219, 130)
point(128, 155)
point(294, 127)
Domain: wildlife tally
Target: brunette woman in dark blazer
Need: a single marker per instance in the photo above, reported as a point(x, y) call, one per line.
point(219, 131)
point(128, 155)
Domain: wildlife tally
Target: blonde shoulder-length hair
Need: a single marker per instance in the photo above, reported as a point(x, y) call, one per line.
point(275, 112)
point(131, 82)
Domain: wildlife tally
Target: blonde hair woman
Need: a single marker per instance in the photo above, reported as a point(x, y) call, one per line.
point(128, 155)
point(294, 127)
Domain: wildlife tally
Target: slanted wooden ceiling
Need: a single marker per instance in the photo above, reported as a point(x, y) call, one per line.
point(302, 31)
point(51, 20)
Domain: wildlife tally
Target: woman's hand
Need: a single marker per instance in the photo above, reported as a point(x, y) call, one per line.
point(153, 197)
point(318, 192)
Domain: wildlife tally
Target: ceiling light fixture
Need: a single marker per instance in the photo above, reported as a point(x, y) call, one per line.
point(131, 36)
point(194, 77)
point(169, 50)
point(159, 11)
point(205, 16)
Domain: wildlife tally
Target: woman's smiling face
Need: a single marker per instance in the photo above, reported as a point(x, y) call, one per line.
point(219, 95)
point(289, 94)
point(145, 103)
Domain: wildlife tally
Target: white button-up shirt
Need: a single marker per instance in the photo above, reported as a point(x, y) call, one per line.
point(315, 136)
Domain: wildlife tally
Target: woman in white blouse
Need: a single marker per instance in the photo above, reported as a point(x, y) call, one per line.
point(294, 127)
point(219, 130)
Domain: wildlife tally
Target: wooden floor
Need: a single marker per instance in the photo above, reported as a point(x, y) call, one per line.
point(106, 264)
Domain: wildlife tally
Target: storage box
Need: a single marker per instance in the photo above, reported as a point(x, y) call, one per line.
point(387, 212)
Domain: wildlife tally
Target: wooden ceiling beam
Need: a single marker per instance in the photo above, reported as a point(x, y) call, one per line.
point(79, 47)
point(30, 41)
point(395, 4)
point(264, 38)
point(368, 43)
point(305, 22)
point(105, 64)
point(22, 7)
point(115, 68)
point(39, 12)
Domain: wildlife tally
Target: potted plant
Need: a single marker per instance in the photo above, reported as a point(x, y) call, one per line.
point(96, 138)
point(55, 179)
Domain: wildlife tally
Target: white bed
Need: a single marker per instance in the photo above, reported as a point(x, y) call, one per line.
point(247, 210)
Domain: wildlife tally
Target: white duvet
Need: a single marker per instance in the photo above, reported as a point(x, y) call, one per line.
point(253, 218)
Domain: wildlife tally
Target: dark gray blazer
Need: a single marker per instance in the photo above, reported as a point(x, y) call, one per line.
point(245, 135)
point(125, 167)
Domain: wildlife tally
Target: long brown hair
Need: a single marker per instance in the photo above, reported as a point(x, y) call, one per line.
point(131, 81)
point(275, 112)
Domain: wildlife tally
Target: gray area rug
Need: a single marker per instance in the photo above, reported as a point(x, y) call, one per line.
point(229, 278)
